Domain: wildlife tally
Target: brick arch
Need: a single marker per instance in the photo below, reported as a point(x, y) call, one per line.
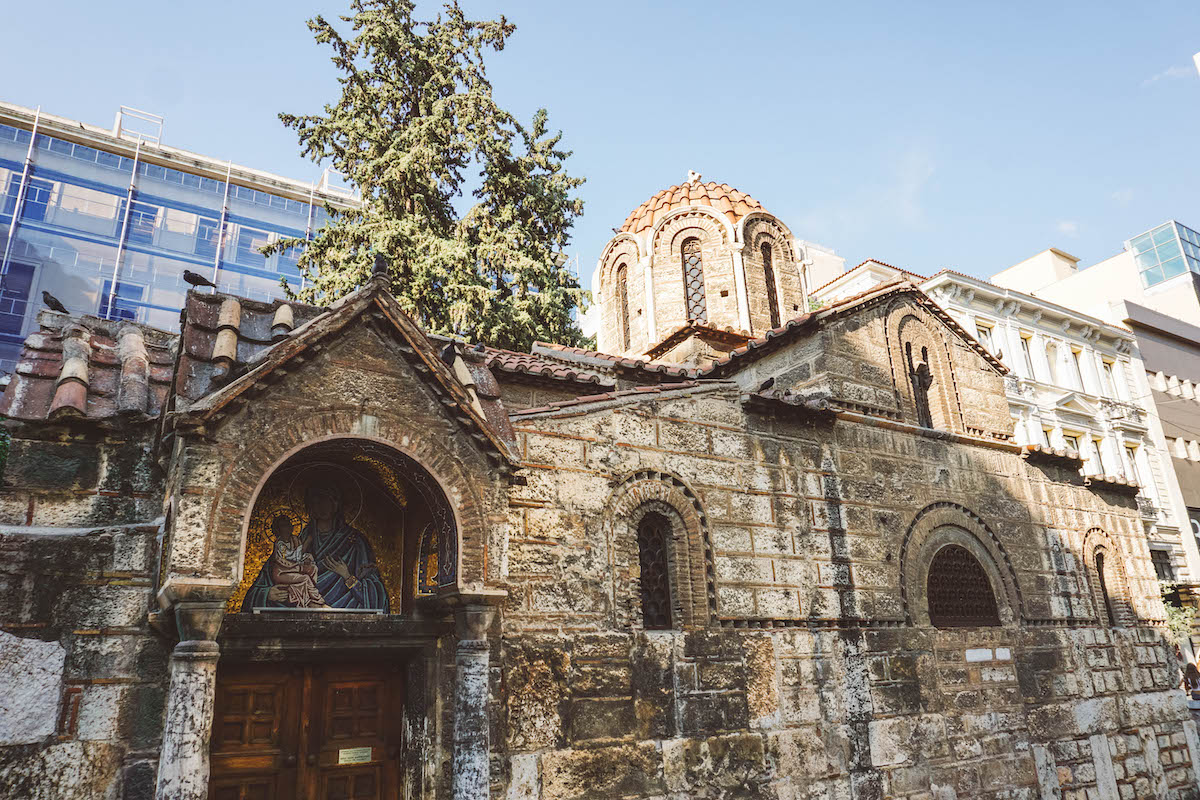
point(622, 249)
point(786, 291)
point(945, 523)
point(693, 575)
point(667, 233)
point(907, 325)
point(759, 218)
point(755, 228)
point(1096, 541)
point(239, 490)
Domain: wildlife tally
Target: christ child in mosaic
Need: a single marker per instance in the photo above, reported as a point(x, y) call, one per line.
point(292, 569)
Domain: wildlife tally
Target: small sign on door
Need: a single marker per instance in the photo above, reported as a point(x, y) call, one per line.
point(354, 755)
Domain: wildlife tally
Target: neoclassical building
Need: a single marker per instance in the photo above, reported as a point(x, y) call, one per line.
point(316, 552)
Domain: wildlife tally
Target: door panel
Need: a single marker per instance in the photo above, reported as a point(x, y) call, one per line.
point(254, 733)
point(357, 733)
point(307, 732)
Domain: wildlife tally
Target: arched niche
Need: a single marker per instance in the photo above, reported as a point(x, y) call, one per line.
point(946, 528)
point(347, 523)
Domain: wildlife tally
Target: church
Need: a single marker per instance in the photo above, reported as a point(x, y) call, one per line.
point(748, 549)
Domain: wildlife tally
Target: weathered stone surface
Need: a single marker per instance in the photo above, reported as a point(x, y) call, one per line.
point(31, 673)
point(793, 655)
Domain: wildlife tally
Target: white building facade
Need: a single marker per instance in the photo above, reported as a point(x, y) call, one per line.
point(1075, 383)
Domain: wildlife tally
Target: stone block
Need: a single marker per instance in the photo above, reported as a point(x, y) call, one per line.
point(31, 673)
point(602, 773)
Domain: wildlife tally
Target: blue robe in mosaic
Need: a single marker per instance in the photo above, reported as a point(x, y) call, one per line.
point(344, 543)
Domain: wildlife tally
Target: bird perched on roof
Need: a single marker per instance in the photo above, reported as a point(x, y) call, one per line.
point(381, 265)
point(479, 348)
point(196, 279)
point(53, 303)
point(767, 384)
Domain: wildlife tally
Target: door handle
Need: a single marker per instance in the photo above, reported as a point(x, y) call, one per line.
point(290, 760)
point(312, 759)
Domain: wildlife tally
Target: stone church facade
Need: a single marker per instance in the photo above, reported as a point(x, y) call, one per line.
point(750, 551)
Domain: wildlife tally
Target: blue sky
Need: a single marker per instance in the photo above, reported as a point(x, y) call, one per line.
point(926, 135)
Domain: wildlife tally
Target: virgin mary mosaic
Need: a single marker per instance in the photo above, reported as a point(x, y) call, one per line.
point(327, 563)
point(345, 525)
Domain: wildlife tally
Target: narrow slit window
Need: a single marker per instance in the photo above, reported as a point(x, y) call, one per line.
point(623, 305)
point(693, 281)
point(772, 292)
point(654, 533)
point(1109, 614)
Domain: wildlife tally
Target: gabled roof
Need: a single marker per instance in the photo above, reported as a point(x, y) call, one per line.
point(374, 304)
point(807, 323)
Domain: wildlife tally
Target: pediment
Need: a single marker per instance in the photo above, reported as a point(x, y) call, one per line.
point(446, 370)
point(1075, 404)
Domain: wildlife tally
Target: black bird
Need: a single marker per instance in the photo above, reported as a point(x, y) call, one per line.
point(53, 303)
point(196, 279)
point(767, 384)
point(381, 265)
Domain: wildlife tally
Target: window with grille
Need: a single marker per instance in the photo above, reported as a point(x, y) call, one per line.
point(960, 594)
point(623, 305)
point(654, 534)
point(693, 281)
point(769, 276)
point(1110, 615)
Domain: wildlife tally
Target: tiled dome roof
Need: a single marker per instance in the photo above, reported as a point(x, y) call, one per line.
point(721, 196)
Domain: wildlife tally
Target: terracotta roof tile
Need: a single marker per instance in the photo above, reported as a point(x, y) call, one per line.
point(729, 201)
point(90, 368)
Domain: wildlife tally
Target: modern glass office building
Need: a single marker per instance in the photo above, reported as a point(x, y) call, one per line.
point(108, 220)
point(1170, 249)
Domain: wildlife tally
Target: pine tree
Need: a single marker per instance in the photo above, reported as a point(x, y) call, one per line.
point(415, 117)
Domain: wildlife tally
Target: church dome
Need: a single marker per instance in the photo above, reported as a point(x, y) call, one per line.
point(720, 196)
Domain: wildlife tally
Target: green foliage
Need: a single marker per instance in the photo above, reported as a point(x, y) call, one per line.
point(815, 305)
point(1180, 618)
point(415, 116)
point(5, 446)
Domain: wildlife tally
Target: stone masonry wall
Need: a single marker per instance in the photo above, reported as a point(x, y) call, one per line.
point(82, 676)
point(814, 683)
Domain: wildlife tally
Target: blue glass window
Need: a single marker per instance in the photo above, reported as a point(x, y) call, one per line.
point(288, 261)
point(125, 301)
point(208, 235)
point(1173, 267)
point(249, 242)
point(108, 160)
point(37, 198)
point(142, 220)
point(14, 298)
point(59, 146)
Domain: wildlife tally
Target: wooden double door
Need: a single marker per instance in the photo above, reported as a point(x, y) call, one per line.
point(310, 732)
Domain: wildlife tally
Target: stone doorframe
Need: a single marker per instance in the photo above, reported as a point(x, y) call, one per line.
point(183, 767)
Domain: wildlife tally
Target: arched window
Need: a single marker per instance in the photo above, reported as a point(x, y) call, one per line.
point(960, 594)
point(1110, 614)
point(769, 277)
point(693, 281)
point(623, 306)
point(653, 537)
